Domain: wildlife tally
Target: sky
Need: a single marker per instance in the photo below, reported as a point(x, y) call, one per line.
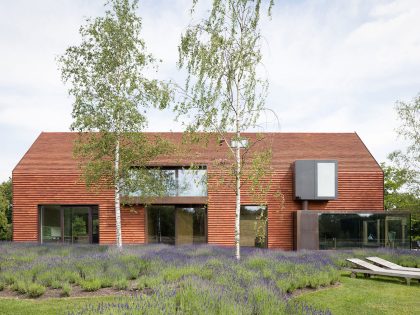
point(332, 66)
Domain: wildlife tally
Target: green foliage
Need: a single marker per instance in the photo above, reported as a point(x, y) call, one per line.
point(408, 161)
point(35, 290)
point(91, 284)
point(409, 115)
point(121, 284)
point(402, 173)
point(107, 281)
point(182, 280)
point(56, 285)
point(66, 289)
point(20, 286)
point(397, 195)
point(149, 282)
point(224, 95)
point(111, 97)
point(6, 210)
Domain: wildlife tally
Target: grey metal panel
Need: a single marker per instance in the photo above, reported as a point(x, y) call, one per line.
point(304, 179)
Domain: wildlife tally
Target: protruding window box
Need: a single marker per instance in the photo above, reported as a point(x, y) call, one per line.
point(315, 180)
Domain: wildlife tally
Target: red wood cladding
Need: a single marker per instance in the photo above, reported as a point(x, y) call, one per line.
point(48, 174)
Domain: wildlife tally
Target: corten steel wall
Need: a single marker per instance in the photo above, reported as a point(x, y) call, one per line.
point(48, 174)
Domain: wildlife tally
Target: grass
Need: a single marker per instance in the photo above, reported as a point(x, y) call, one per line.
point(357, 296)
point(55, 306)
point(367, 296)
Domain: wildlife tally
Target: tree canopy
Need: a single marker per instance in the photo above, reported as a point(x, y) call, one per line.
point(223, 93)
point(105, 74)
point(6, 210)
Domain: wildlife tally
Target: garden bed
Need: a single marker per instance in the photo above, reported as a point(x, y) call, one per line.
point(190, 279)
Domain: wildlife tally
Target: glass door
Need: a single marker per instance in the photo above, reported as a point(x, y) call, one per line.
point(161, 224)
point(69, 224)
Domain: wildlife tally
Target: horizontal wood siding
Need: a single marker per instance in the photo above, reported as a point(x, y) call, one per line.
point(48, 174)
point(357, 191)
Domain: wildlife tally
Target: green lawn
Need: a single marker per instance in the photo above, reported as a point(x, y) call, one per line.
point(367, 296)
point(354, 296)
point(46, 306)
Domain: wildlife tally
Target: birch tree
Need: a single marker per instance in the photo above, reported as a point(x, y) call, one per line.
point(223, 93)
point(111, 97)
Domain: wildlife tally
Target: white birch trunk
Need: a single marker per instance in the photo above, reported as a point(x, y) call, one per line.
point(238, 190)
point(117, 195)
point(238, 204)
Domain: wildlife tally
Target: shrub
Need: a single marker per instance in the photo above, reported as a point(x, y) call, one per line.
point(121, 284)
point(91, 285)
point(56, 284)
point(66, 289)
point(19, 286)
point(1, 286)
point(35, 290)
point(149, 282)
point(8, 278)
point(106, 282)
point(258, 263)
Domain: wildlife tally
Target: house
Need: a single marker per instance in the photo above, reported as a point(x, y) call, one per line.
point(326, 191)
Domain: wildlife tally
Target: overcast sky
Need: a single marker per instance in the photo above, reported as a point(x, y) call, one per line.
point(333, 66)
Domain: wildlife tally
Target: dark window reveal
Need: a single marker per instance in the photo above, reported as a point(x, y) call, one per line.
point(69, 224)
point(253, 226)
point(177, 225)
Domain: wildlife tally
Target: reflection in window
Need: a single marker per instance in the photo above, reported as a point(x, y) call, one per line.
point(76, 224)
point(253, 226)
point(351, 230)
point(70, 224)
point(169, 182)
point(176, 225)
point(51, 224)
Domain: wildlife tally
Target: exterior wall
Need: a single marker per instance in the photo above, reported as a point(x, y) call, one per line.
point(357, 191)
point(41, 179)
point(32, 190)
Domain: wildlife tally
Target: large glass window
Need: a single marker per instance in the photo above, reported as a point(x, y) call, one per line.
point(253, 226)
point(51, 224)
point(70, 224)
point(176, 225)
point(363, 230)
point(171, 182)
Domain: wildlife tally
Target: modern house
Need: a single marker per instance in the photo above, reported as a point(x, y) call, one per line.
point(326, 191)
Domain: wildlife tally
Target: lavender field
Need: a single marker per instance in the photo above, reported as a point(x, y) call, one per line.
point(183, 280)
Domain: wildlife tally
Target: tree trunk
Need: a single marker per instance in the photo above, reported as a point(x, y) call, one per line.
point(117, 195)
point(238, 190)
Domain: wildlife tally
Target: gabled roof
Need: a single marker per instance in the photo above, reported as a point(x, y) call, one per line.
point(53, 151)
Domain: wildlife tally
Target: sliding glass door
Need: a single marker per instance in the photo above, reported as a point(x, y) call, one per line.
point(177, 225)
point(69, 224)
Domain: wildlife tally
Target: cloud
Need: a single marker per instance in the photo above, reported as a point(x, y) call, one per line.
point(332, 65)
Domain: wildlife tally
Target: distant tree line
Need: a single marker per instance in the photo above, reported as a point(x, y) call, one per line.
point(6, 210)
point(402, 170)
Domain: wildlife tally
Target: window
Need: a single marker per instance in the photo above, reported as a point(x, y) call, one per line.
point(69, 224)
point(177, 225)
point(253, 226)
point(171, 182)
point(242, 143)
point(351, 230)
point(326, 179)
